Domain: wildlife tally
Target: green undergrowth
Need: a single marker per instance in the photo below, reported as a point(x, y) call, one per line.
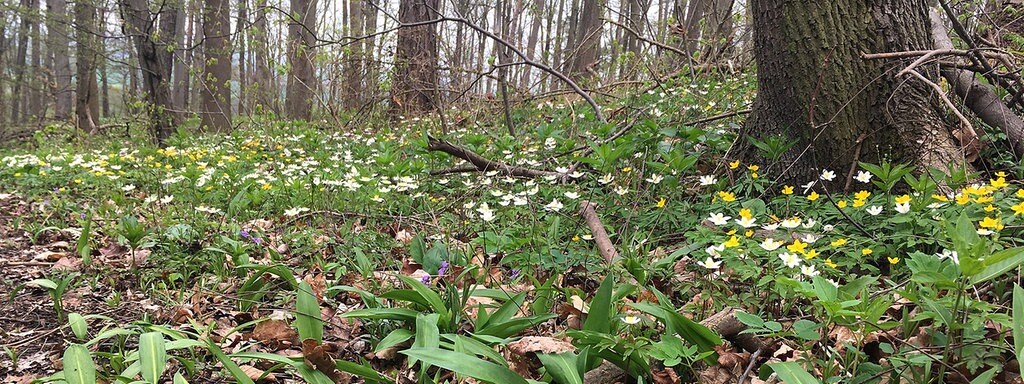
point(907, 277)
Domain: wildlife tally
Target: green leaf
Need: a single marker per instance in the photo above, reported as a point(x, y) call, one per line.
point(466, 365)
point(427, 334)
point(78, 325)
point(179, 379)
point(986, 377)
point(791, 372)
point(398, 336)
point(233, 368)
point(997, 264)
point(466, 344)
point(599, 319)
point(153, 356)
point(430, 297)
point(43, 283)
point(1018, 324)
point(307, 314)
point(400, 314)
point(562, 367)
point(78, 365)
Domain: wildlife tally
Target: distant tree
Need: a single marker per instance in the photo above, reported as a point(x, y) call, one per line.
point(20, 64)
point(302, 82)
point(587, 41)
point(814, 87)
point(414, 80)
point(155, 60)
point(264, 82)
point(355, 52)
point(182, 56)
point(215, 91)
point(87, 98)
point(59, 57)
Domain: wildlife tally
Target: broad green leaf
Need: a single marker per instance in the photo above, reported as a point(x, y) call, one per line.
point(430, 297)
point(1018, 324)
point(152, 356)
point(398, 336)
point(466, 365)
point(986, 377)
point(78, 365)
point(427, 334)
point(233, 368)
point(791, 372)
point(997, 264)
point(179, 379)
point(599, 319)
point(78, 325)
point(562, 367)
point(401, 314)
point(43, 283)
point(473, 346)
point(307, 314)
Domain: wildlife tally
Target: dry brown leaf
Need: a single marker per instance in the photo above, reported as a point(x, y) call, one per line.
point(729, 359)
point(666, 376)
point(276, 334)
point(843, 335)
point(715, 375)
point(48, 256)
point(541, 344)
point(70, 264)
point(318, 356)
point(257, 375)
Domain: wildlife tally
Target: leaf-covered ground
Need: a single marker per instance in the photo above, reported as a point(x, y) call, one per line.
point(288, 253)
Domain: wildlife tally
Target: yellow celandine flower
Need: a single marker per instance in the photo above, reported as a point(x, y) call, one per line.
point(963, 199)
point(893, 260)
point(858, 203)
point(841, 204)
point(830, 264)
point(732, 242)
point(903, 199)
point(866, 251)
point(838, 243)
point(797, 246)
point(862, 195)
point(745, 213)
point(990, 208)
point(734, 164)
point(17, 174)
point(661, 203)
point(984, 199)
point(1018, 209)
point(1020, 193)
point(1001, 174)
point(998, 183)
point(991, 223)
point(941, 198)
point(787, 190)
point(753, 167)
point(728, 197)
point(575, 237)
point(753, 175)
point(265, 187)
point(811, 254)
point(627, 169)
point(731, 232)
point(748, 233)
point(813, 196)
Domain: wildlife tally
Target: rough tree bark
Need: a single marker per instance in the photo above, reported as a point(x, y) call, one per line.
point(20, 66)
point(87, 101)
point(414, 81)
point(215, 90)
point(301, 78)
point(266, 92)
point(182, 57)
point(814, 87)
point(588, 41)
point(155, 62)
point(57, 37)
point(354, 60)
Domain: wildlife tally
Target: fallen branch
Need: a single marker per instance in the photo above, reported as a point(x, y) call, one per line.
point(604, 243)
point(485, 165)
point(729, 327)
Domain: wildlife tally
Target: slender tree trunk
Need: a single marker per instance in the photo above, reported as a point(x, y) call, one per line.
point(243, 68)
point(216, 82)
point(370, 53)
point(20, 65)
point(86, 53)
point(182, 55)
point(354, 62)
point(301, 79)
point(537, 14)
point(155, 61)
point(37, 101)
point(814, 87)
point(57, 33)
point(414, 82)
point(588, 40)
point(3, 75)
point(264, 82)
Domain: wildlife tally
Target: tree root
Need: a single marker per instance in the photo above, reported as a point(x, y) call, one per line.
point(483, 164)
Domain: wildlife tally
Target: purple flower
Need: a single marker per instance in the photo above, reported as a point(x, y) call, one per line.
point(55, 189)
point(443, 269)
point(244, 234)
point(514, 274)
point(81, 216)
point(257, 240)
point(425, 279)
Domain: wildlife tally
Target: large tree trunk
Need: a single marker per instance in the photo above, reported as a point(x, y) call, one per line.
point(87, 100)
point(216, 82)
point(301, 78)
point(241, 29)
point(814, 87)
point(155, 61)
point(57, 37)
point(414, 81)
point(588, 41)
point(182, 55)
point(355, 58)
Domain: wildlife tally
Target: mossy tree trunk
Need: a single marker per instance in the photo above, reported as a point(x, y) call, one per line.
point(815, 88)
